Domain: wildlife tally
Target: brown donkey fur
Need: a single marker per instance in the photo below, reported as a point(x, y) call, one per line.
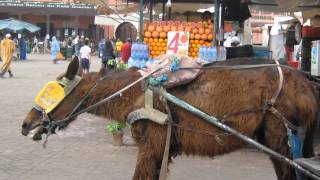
point(216, 92)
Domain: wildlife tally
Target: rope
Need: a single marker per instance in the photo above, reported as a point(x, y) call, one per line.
point(58, 122)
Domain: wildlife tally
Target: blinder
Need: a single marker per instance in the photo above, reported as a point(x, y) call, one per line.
point(53, 93)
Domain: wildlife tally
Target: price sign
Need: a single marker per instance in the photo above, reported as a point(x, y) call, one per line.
point(178, 42)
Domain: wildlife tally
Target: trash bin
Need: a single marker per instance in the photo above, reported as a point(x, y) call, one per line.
point(28, 47)
point(69, 52)
point(63, 50)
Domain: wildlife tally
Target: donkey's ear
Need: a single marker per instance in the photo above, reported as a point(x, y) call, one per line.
point(72, 68)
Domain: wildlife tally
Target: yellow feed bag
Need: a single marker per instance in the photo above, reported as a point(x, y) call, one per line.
point(50, 96)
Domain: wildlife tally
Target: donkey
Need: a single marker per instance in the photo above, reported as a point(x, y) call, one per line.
point(218, 92)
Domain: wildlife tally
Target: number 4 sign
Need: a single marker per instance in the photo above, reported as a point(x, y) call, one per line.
point(178, 42)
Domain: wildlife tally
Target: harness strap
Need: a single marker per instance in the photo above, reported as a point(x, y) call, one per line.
point(287, 123)
point(165, 158)
point(280, 85)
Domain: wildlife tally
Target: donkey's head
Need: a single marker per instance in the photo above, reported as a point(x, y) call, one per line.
point(37, 118)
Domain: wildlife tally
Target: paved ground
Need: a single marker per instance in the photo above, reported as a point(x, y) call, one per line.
point(84, 151)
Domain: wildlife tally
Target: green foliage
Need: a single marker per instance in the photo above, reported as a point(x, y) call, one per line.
point(113, 127)
point(122, 67)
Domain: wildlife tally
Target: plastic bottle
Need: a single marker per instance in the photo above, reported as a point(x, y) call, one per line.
point(206, 54)
point(200, 53)
point(222, 53)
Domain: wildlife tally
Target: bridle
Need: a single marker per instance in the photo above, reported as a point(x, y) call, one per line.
point(50, 124)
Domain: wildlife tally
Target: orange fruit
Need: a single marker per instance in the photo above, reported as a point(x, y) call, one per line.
point(147, 34)
point(201, 31)
point(159, 29)
point(151, 28)
point(195, 31)
point(184, 39)
point(204, 36)
point(197, 36)
point(155, 34)
point(160, 40)
point(155, 48)
point(191, 36)
point(155, 40)
point(196, 41)
point(150, 40)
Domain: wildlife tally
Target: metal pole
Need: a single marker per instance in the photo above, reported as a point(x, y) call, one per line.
point(141, 21)
point(217, 123)
point(163, 9)
point(169, 13)
point(216, 21)
point(151, 10)
point(221, 26)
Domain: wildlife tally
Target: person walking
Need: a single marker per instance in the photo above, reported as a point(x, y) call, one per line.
point(22, 49)
point(118, 48)
point(7, 48)
point(55, 49)
point(76, 46)
point(35, 44)
point(126, 51)
point(102, 47)
point(85, 57)
point(108, 58)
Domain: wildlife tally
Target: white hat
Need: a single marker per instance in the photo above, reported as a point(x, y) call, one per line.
point(8, 35)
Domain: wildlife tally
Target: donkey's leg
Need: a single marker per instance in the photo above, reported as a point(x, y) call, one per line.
point(147, 166)
point(150, 139)
point(276, 138)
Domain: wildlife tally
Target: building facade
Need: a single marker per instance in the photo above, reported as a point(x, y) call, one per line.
point(62, 19)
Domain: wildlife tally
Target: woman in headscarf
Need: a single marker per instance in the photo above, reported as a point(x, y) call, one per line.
point(108, 58)
point(55, 48)
point(23, 49)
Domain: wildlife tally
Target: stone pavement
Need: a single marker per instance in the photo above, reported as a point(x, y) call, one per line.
point(84, 150)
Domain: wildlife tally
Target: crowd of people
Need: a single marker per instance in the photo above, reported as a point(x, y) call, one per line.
point(110, 51)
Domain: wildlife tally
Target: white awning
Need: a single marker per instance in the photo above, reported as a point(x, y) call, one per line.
point(115, 20)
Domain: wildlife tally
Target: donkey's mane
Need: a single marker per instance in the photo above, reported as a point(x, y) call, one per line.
point(111, 83)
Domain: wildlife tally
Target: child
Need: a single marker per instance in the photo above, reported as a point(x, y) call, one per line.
point(85, 57)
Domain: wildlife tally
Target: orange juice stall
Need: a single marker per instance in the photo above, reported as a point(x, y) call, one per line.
point(188, 30)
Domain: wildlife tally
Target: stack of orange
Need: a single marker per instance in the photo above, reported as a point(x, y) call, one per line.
point(157, 46)
point(200, 36)
point(155, 35)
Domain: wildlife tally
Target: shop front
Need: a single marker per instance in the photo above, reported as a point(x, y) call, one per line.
point(55, 19)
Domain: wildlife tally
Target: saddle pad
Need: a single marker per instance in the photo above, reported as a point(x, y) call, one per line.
point(176, 78)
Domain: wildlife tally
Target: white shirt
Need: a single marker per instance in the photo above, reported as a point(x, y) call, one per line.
point(85, 52)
